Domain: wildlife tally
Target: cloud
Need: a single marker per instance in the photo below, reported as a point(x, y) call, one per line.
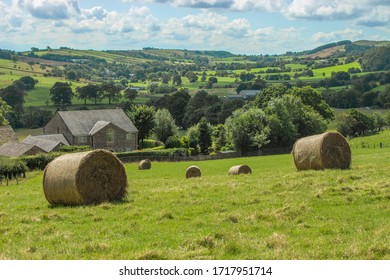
point(50, 9)
point(346, 34)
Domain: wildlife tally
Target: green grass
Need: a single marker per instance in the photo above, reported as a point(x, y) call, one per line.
point(275, 213)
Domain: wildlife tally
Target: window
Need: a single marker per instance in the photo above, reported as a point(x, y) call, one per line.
point(110, 135)
point(82, 139)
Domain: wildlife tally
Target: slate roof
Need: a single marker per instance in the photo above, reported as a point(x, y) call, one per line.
point(16, 149)
point(80, 123)
point(47, 144)
point(54, 137)
point(7, 134)
point(98, 126)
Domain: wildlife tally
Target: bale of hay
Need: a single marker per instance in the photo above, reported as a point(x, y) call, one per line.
point(240, 169)
point(193, 171)
point(322, 151)
point(144, 164)
point(85, 178)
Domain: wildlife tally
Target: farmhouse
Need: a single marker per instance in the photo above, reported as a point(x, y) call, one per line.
point(17, 149)
point(109, 129)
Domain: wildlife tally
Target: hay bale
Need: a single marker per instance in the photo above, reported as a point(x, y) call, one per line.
point(85, 178)
point(240, 169)
point(193, 171)
point(144, 164)
point(322, 151)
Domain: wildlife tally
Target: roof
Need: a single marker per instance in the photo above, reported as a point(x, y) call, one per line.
point(16, 149)
point(249, 92)
point(7, 134)
point(54, 137)
point(98, 126)
point(43, 143)
point(80, 123)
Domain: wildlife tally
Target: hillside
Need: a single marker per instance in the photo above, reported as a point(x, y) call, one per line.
point(274, 213)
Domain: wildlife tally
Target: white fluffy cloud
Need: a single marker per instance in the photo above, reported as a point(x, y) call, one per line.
point(346, 34)
point(50, 9)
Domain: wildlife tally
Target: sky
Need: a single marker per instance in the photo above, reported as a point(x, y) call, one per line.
point(239, 26)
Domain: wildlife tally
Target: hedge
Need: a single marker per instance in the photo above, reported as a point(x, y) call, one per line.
point(180, 152)
point(11, 168)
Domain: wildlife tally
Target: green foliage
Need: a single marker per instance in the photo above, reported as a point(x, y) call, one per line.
point(11, 169)
point(173, 142)
point(269, 93)
point(165, 125)
point(247, 129)
point(61, 94)
point(39, 161)
point(313, 98)
point(143, 117)
point(354, 123)
point(110, 91)
point(74, 149)
point(4, 109)
point(181, 152)
point(193, 138)
point(376, 59)
point(205, 130)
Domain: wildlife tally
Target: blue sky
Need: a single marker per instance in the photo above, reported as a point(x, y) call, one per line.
point(239, 26)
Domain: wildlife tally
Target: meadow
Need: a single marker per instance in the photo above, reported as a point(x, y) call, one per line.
point(274, 213)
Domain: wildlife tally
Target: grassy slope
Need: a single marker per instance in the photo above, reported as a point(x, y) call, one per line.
point(275, 213)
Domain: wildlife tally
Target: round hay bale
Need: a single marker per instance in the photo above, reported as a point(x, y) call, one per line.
point(193, 171)
point(322, 151)
point(144, 164)
point(85, 178)
point(240, 169)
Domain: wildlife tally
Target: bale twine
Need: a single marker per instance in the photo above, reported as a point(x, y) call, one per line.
point(144, 164)
point(240, 169)
point(193, 171)
point(85, 178)
point(322, 151)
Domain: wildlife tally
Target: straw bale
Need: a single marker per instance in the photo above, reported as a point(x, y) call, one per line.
point(193, 171)
point(240, 169)
point(85, 178)
point(144, 164)
point(323, 151)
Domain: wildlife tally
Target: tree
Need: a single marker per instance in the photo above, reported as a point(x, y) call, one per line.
point(313, 98)
point(61, 94)
point(353, 123)
point(90, 91)
point(4, 109)
point(130, 94)
point(204, 129)
point(264, 96)
point(176, 80)
point(111, 91)
point(247, 129)
point(290, 119)
point(165, 125)
point(143, 117)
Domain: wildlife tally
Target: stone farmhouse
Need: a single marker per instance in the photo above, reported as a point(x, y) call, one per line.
point(109, 129)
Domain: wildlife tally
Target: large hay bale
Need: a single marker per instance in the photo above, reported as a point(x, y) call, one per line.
point(144, 164)
point(322, 151)
point(85, 178)
point(193, 171)
point(240, 169)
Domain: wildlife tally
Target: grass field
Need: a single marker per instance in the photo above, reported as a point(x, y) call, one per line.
point(275, 213)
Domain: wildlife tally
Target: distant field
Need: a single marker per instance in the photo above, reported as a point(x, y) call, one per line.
point(275, 213)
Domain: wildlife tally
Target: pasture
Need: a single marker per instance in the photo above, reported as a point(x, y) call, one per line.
point(274, 213)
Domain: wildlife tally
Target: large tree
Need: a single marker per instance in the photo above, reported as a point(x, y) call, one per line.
point(4, 109)
point(61, 94)
point(143, 118)
point(205, 131)
point(247, 129)
point(165, 125)
point(111, 91)
point(89, 91)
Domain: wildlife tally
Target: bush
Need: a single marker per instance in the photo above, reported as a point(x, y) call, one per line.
point(181, 152)
point(74, 149)
point(11, 168)
point(172, 142)
point(39, 162)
